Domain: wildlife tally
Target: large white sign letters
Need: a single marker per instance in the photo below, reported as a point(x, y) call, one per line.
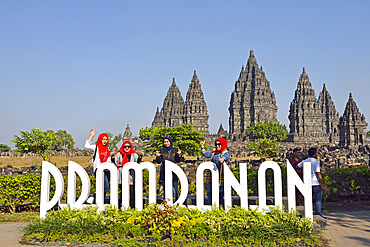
point(230, 181)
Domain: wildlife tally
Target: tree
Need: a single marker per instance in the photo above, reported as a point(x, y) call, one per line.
point(368, 134)
point(271, 130)
point(4, 148)
point(263, 148)
point(184, 137)
point(35, 141)
point(114, 141)
point(63, 140)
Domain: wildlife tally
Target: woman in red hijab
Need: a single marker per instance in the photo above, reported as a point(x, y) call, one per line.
point(127, 154)
point(218, 157)
point(101, 155)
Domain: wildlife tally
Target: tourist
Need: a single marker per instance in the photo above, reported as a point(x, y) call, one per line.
point(101, 155)
point(316, 179)
point(218, 157)
point(127, 154)
point(168, 152)
point(295, 161)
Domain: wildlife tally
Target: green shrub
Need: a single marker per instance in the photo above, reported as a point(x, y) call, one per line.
point(347, 182)
point(186, 227)
point(16, 190)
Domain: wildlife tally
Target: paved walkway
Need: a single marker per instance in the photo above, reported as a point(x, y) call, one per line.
point(347, 229)
point(11, 233)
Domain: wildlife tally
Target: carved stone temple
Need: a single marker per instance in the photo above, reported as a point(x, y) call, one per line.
point(352, 125)
point(195, 110)
point(252, 100)
point(330, 116)
point(171, 114)
point(175, 112)
point(312, 119)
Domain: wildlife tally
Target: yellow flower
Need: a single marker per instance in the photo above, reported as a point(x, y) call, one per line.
point(130, 220)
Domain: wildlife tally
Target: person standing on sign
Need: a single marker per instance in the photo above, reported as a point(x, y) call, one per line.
point(316, 178)
point(101, 155)
point(218, 157)
point(295, 161)
point(127, 154)
point(168, 152)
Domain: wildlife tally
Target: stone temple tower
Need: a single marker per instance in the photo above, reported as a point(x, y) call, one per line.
point(330, 116)
point(252, 100)
point(195, 110)
point(352, 125)
point(172, 112)
point(305, 115)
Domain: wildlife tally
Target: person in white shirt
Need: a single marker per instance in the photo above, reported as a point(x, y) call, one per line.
point(101, 155)
point(316, 179)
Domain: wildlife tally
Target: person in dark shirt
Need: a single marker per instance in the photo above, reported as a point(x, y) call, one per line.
point(168, 152)
point(295, 161)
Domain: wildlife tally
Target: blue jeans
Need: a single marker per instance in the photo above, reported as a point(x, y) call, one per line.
point(221, 194)
point(175, 189)
point(106, 181)
point(209, 193)
point(317, 193)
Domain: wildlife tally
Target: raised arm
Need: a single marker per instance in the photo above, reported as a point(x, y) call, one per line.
point(88, 142)
point(92, 134)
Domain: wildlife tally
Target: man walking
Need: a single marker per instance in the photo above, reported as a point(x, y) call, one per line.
point(316, 178)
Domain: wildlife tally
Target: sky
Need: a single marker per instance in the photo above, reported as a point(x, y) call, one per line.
point(78, 65)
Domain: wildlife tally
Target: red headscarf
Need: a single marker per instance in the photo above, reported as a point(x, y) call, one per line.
point(125, 154)
point(223, 145)
point(103, 150)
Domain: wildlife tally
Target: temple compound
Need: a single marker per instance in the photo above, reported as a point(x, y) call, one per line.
point(312, 120)
point(175, 112)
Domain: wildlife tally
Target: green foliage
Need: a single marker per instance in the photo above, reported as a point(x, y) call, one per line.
point(18, 189)
point(263, 148)
point(368, 134)
point(215, 227)
point(268, 130)
point(347, 181)
point(114, 140)
point(4, 148)
point(184, 137)
point(63, 140)
point(35, 141)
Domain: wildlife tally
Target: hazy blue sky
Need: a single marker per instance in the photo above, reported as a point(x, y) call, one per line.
point(77, 65)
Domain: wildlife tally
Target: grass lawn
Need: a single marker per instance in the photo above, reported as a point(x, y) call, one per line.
point(59, 161)
point(18, 217)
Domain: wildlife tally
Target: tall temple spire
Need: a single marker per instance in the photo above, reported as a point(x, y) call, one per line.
point(330, 115)
point(305, 114)
point(252, 100)
point(352, 125)
point(195, 109)
point(175, 112)
point(171, 113)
